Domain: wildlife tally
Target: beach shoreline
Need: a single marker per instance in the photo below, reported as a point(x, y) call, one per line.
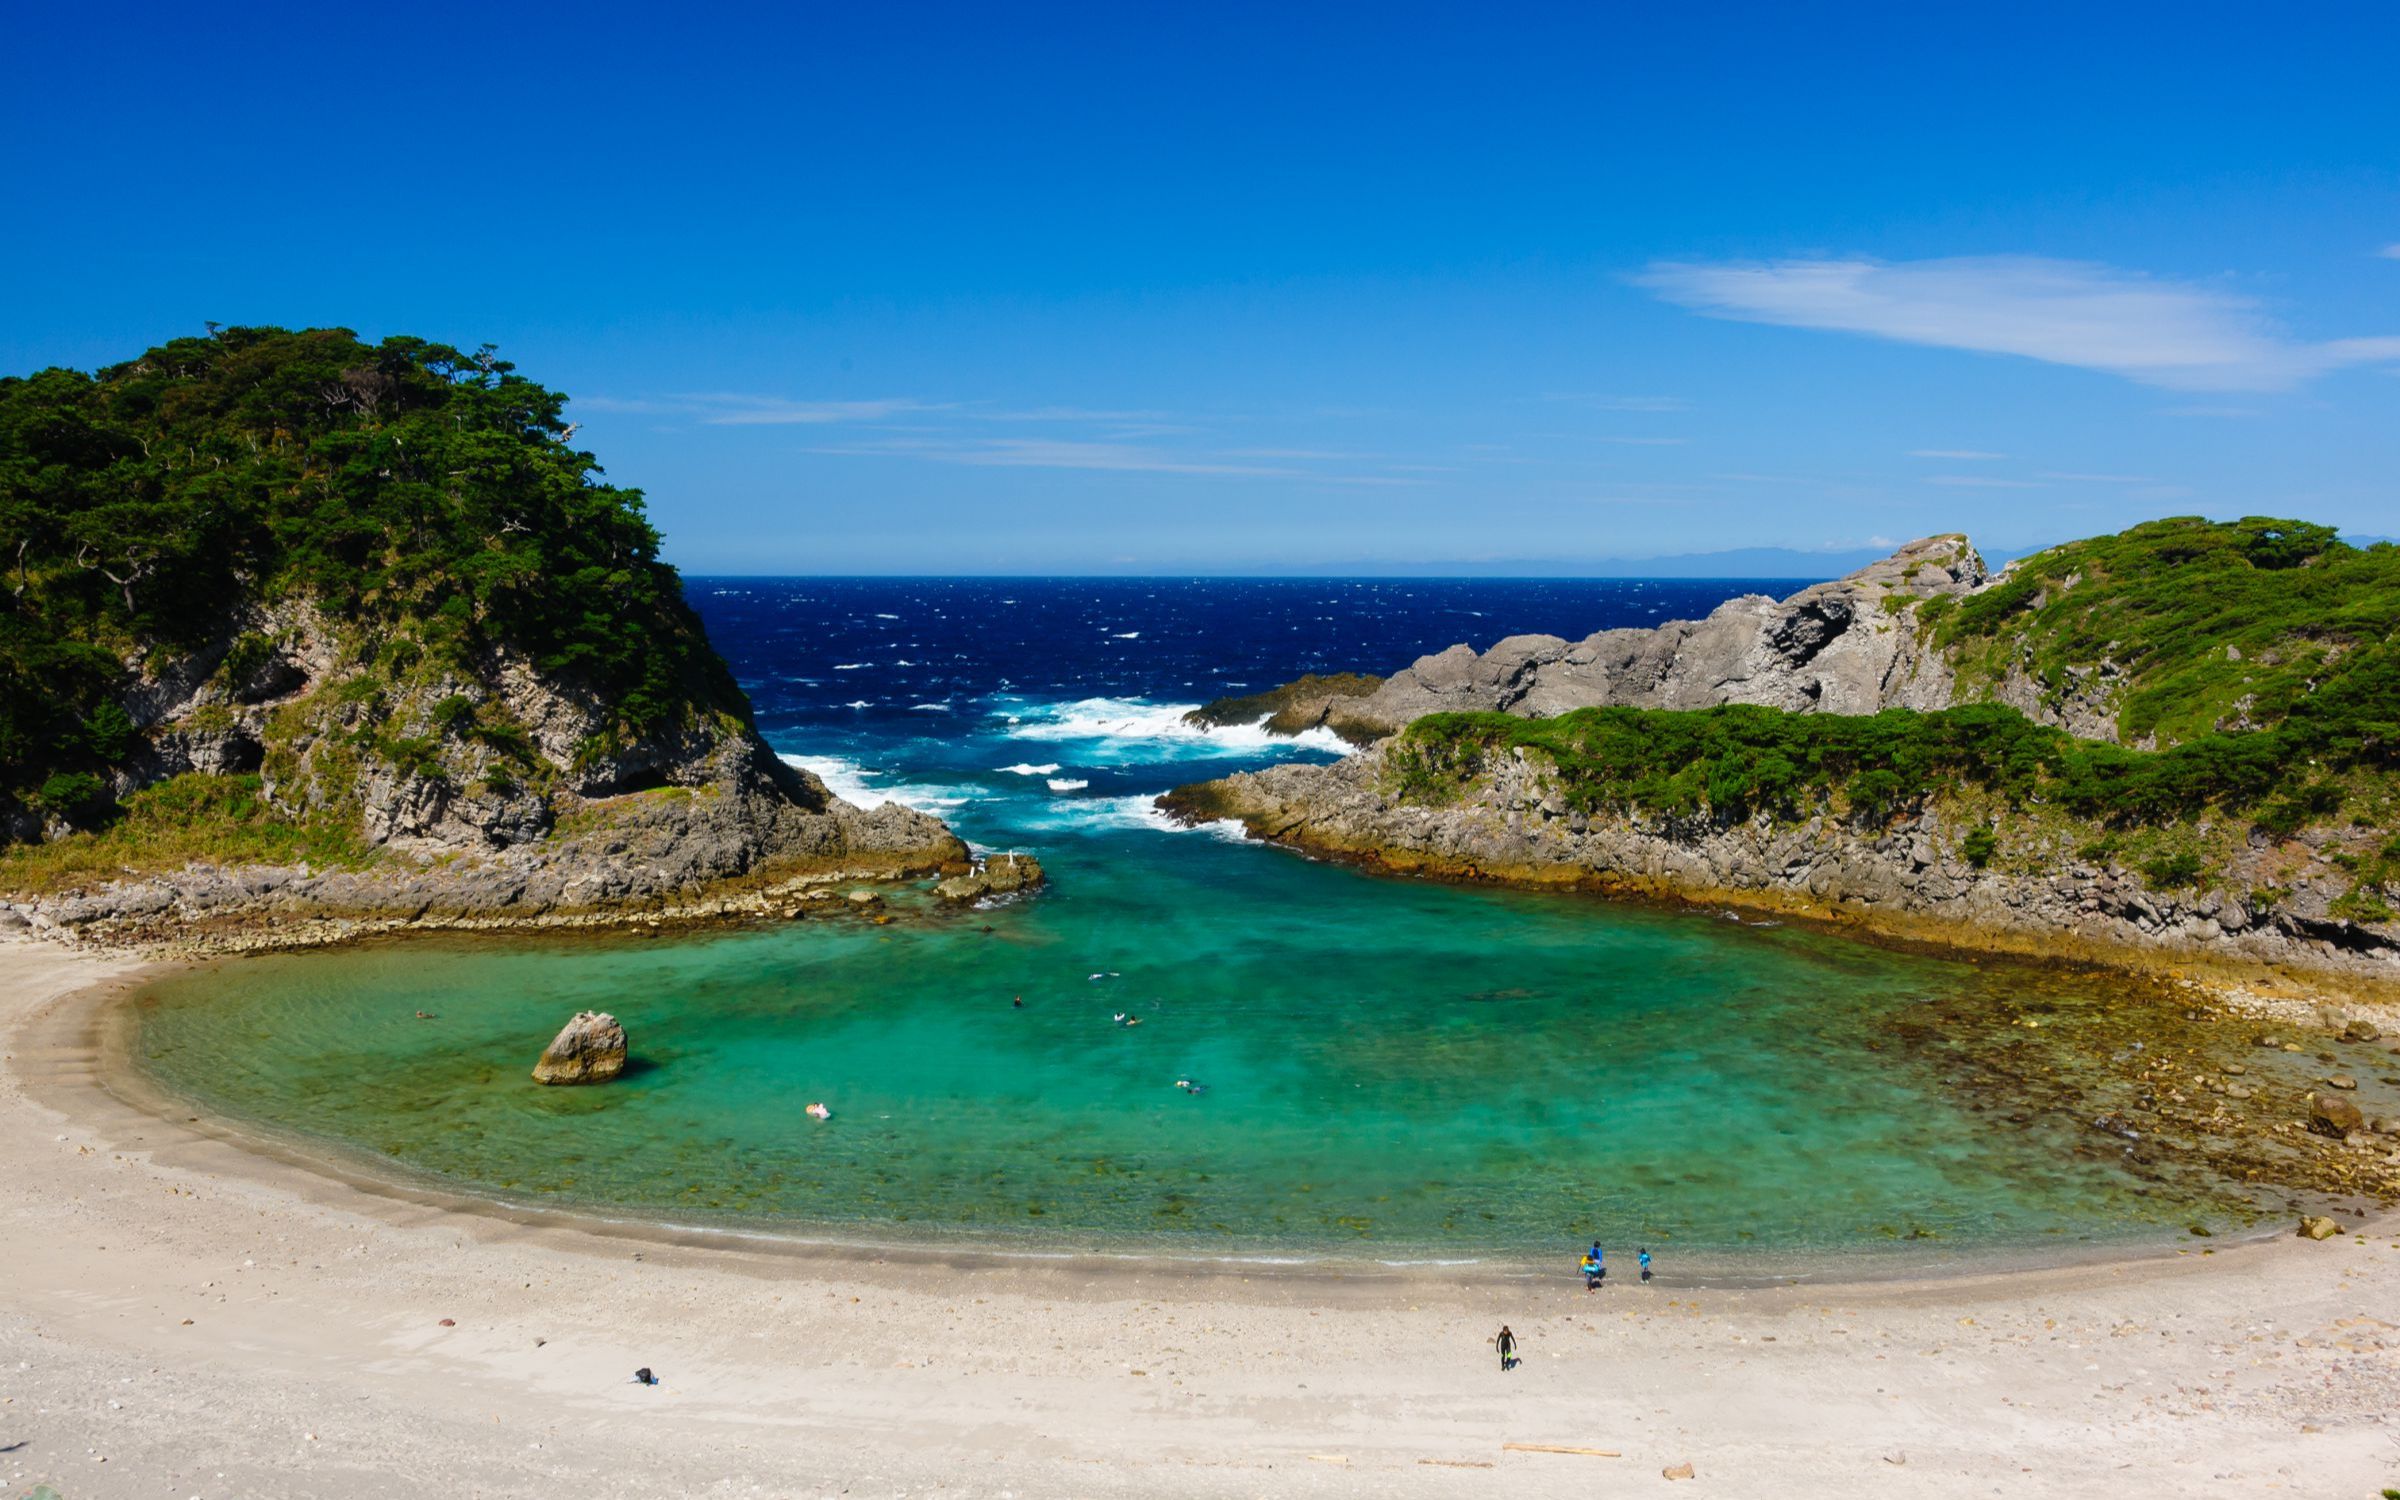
point(104, 1030)
point(316, 1358)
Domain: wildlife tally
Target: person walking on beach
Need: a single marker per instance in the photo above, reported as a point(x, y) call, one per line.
point(1645, 1264)
point(1506, 1343)
point(1595, 1262)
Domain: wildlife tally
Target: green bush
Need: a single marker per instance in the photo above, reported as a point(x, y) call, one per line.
point(421, 496)
point(1979, 846)
point(2171, 872)
point(1733, 762)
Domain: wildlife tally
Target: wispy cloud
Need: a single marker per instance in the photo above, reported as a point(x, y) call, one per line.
point(1052, 453)
point(2178, 334)
point(1644, 442)
point(1619, 403)
point(2390, 251)
point(729, 410)
point(1964, 455)
point(1985, 482)
point(2099, 478)
point(1066, 414)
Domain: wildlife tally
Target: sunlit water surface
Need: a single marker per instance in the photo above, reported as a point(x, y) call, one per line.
point(1385, 1067)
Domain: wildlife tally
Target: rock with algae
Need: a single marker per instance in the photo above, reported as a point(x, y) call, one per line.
point(588, 1049)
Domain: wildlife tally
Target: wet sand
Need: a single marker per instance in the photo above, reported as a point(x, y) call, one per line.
point(186, 1315)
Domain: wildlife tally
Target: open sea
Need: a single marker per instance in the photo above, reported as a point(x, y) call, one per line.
point(1396, 1069)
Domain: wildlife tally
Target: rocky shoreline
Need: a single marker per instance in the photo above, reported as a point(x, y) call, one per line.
point(1914, 879)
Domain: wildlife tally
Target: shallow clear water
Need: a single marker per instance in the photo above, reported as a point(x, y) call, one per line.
point(1391, 1066)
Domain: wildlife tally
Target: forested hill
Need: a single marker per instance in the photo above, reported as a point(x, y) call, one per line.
point(373, 590)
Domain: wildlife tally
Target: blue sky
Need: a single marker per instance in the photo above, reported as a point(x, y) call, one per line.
point(1189, 289)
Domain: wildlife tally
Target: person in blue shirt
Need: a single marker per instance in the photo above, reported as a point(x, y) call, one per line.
point(1595, 1267)
point(1645, 1264)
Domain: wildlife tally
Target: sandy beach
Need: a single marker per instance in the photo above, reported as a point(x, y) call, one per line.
point(183, 1316)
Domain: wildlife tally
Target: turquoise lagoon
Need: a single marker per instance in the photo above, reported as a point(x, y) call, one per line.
point(1391, 1069)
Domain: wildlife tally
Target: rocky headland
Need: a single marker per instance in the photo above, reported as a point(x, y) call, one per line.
point(2085, 755)
point(313, 638)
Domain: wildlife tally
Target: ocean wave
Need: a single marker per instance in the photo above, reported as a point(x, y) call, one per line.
point(929, 708)
point(1138, 730)
point(1063, 784)
point(1126, 635)
point(1022, 769)
point(856, 785)
point(853, 666)
point(1115, 814)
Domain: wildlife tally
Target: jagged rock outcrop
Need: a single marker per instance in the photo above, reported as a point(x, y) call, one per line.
point(588, 1049)
point(515, 801)
point(1850, 646)
point(1316, 701)
point(1912, 875)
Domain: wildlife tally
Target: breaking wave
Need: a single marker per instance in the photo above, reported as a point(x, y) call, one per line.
point(1133, 729)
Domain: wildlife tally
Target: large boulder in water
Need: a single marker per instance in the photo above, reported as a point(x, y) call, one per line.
point(2333, 1115)
point(588, 1049)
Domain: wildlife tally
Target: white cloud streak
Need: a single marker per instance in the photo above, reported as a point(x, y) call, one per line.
point(2181, 335)
point(1964, 455)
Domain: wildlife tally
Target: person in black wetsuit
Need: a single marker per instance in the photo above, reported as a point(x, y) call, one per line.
point(1506, 1343)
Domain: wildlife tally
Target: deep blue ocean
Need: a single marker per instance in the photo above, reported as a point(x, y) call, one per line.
point(1024, 710)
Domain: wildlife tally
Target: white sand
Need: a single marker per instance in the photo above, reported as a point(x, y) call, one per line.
point(185, 1317)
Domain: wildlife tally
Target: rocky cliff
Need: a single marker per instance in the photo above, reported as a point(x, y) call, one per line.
point(1851, 646)
point(304, 627)
point(2181, 741)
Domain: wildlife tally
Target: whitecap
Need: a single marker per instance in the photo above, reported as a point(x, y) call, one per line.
point(1113, 814)
point(1133, 729)
point(1126, 635)
point(1064, 784)
point(853, 666)
point(1023, 769)
point(887, 617)
point(929, 708)
point(853, 783)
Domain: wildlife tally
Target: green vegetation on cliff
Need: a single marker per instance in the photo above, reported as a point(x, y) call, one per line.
point(2198, 627)
point(2262, 655)
point(1739, 760)
point(424, 503)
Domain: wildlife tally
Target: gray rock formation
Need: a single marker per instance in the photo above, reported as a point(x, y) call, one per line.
point(588, 1049)
point(518, 797)
point(1851, 646)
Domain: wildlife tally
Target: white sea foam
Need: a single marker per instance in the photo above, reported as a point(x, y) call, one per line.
point(860, 703)
point(1022, 769)
point(859, 787)
point(1126, 635)
point(1063, 784)
point(1133, 729)
point(1106, 814)
point(887, 617)
point(853, 666)
point(929, 708)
